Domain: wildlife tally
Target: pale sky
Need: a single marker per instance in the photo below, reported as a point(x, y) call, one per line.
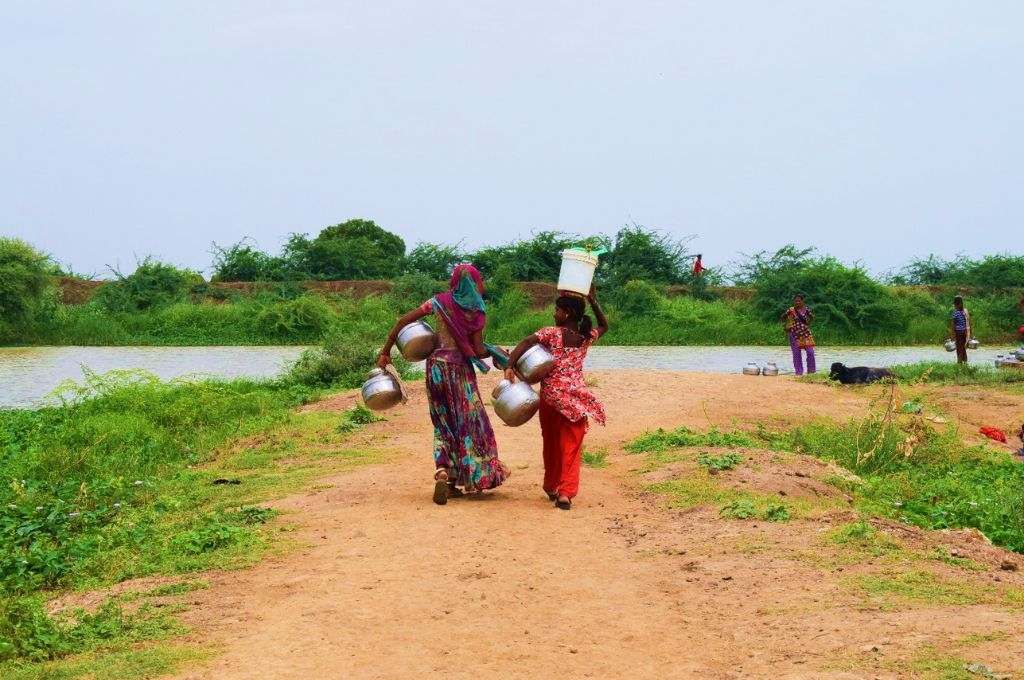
point(874, 130)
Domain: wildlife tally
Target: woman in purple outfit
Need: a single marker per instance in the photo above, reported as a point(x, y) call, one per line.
point(798, 325)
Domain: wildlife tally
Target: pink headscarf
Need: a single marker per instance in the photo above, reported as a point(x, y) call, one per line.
point(463, 321)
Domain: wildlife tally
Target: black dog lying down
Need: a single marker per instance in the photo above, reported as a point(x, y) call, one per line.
point(857, 375)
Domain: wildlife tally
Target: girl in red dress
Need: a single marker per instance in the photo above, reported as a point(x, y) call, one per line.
point(566, 405)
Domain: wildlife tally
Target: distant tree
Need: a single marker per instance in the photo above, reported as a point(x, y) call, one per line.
point(356, 249)
point(153, 284)
point(433, 260)
point(841, 296)
point(25, 274)
point(244, 262)
point(535, 259)
point(991, 271)
point(641, 254)
point(931, 271)
point(755, 267)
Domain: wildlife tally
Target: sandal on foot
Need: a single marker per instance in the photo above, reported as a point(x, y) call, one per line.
point(441, 487)
point(552, 496)
point(454, 491)
point(563, 505)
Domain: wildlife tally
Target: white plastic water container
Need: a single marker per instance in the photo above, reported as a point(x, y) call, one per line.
point(577, 272)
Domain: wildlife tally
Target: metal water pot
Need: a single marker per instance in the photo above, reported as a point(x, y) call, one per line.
point(973, 343)
point(416, 341)
point(535, 364)
point(949, 345)
point(751, 368)
point(1019, 353)
point(515, 403)
point(381, 391)
point(770, 369)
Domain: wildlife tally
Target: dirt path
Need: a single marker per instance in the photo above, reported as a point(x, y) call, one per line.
point(504, 586)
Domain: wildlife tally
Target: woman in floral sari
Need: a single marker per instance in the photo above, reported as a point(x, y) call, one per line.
point(797, 320)
point(465, 451)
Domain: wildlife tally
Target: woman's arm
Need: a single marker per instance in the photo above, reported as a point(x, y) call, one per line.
point(477, 340)
point(384, 358)
point(970, 330)
point(513, 358)
point(602, 320)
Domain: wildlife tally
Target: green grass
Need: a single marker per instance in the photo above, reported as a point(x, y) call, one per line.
point(905, 469)
point(596, 459)
point(726, 461)
point(950, 373)
point(662, 440)
point(113, 663)
point(119, 482)
point(891, 590)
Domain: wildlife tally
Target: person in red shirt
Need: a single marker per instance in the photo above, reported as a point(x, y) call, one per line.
point(698, 266)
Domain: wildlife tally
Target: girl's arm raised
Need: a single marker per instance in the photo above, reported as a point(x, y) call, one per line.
point(602, 320)
point(385, 353)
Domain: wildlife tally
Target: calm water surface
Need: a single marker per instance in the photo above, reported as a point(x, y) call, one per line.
point(28, 375)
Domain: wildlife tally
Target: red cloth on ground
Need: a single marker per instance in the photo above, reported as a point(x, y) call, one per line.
point(993, 433)
point(563, 444)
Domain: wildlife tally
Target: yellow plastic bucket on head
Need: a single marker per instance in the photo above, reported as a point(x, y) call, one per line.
point(577, 272)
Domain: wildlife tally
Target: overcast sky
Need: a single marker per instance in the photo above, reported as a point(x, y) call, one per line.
point(876, 131)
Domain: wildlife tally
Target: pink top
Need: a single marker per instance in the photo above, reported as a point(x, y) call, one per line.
point(564, 387)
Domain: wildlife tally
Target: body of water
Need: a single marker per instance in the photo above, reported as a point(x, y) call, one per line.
point(28, 375)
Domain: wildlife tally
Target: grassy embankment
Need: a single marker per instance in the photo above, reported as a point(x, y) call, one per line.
point(903, 467)
point(122, 482)
point(638, 320)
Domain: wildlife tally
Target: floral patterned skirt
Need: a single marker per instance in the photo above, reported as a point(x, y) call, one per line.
point(464, 443)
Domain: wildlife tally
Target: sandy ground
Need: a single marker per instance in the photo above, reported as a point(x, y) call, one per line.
point(505, 586)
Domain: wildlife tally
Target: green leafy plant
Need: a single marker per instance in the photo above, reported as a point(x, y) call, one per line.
point(596, 459)
point(726, 461)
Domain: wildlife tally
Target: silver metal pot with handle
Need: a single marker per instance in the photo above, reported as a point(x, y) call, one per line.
point(973, 343)
point(1019, 353)
point(949, 345)
point(535, 364)
point(515, 403)
point(751, 368)
point(770, 369)
point(381, 391)
point(416, 341)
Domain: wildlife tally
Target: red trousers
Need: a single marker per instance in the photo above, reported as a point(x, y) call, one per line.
point(563, 444)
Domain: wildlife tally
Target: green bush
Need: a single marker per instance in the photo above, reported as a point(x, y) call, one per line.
point(841, 297)
point(243, 262)
point(152, 285)
point(411, 290)
point(434, 261)
point(638, 299)
point(638, 253)
point(305, 317)
point(355, 249)
point(991, 271)
point(24, 277)
point(536, 259)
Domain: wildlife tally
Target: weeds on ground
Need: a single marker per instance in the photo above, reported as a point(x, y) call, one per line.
point(663, 440)
point(748, 508)
point(131, 477)
point(596, 459)
point(721, 463)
